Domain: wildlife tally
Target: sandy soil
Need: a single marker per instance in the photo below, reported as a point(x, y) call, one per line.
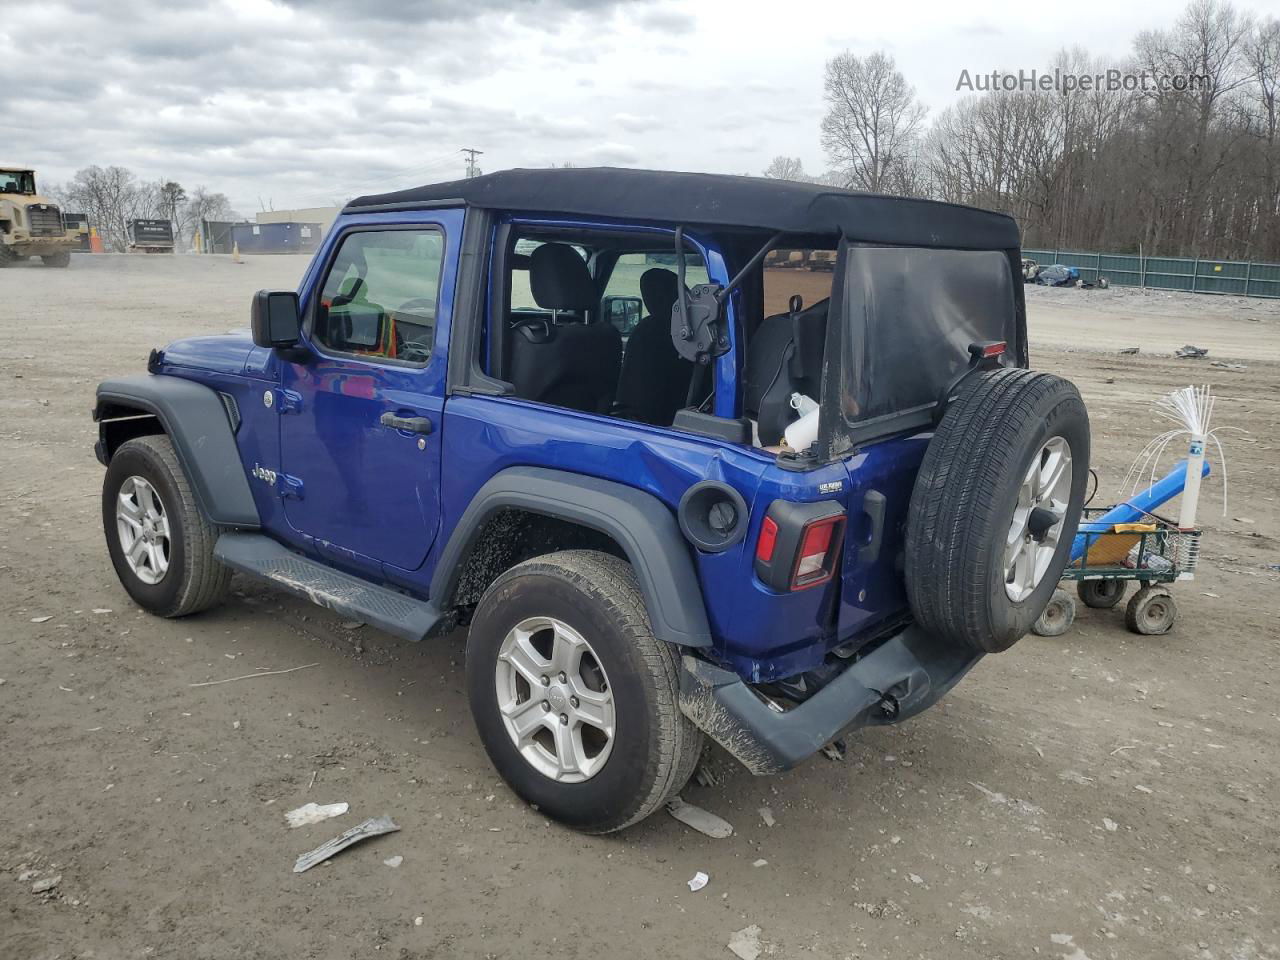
point(1096, 796)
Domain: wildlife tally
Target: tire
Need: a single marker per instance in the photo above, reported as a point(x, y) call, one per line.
point(653, 748)
point(7, 256)
point(1151, 612)
point(976, 472)
point(192, 579)
point(1101, 594)
point(60, 259)
point(1056, 618)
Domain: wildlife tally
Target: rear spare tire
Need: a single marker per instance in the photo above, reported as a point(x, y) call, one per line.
point(995, 507)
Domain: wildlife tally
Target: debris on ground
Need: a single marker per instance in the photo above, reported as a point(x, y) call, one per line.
point(393, 861)
point(1110, 824)
point(373, 827)
point(707, 776)
point(250, 676)
point(704, 821)
point(834, 750)
point(698, 881)
point(767, 816)
point(1227, 366)
point(745, 943)
point(42, 619)
point(1130, 350)
point(352, 624)
point(762, 862)
point(310, 813)
point(47, 884)
point(1191, 352)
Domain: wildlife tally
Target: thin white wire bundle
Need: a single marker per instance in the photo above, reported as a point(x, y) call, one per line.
point(1192, 409)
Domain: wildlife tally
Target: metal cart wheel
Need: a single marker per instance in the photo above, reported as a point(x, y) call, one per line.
point(1151, 611)
point(1057, 617)
point(1101, 594)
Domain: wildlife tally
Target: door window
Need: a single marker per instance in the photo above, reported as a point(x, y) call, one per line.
point(379, 298)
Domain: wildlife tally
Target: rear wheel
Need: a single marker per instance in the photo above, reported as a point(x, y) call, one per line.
point(574, 698)
point(1100, 594)
point(995, 507)
point(60, 259)
point(7, 256)
point(160, 543)
point(1151, 611)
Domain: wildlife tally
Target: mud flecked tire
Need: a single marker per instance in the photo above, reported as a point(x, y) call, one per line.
point(1056, 618)
point(60, 259)
point(655, 746)
point(7, 256)
point(195, 580)
point(1151, 611)
point(963, 502)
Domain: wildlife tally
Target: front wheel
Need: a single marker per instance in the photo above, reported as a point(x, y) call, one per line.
point(160, 543)
point(574, 698)
point(60, 259)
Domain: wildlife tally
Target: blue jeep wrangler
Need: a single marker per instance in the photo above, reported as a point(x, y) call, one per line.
point(554, 405)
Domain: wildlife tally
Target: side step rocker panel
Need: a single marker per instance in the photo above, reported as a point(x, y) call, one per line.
point(396, 613)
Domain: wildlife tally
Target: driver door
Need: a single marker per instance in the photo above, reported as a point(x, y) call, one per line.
point(360, 421)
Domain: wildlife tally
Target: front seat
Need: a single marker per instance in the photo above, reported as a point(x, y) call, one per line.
point(567, 361)
point(654, 383)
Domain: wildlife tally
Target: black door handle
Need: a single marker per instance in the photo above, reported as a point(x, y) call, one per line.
point(412, 424)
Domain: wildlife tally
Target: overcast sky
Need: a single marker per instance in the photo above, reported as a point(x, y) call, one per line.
point(308, 102)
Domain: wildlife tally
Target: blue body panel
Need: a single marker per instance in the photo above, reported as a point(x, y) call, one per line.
point(369, 500)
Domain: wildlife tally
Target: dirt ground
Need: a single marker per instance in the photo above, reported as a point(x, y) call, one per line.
point(1100, 795)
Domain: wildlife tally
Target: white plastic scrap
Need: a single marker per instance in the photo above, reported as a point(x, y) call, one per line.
point(698, 881)
point(767, 816)
point(310, 813)
point(704, 821)
point(745, 943)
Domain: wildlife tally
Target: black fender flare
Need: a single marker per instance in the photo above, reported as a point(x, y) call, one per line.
point(197, 424)
point(640, 523)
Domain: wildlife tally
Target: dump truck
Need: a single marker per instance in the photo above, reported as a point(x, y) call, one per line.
point(30, 225)
point(151, 236)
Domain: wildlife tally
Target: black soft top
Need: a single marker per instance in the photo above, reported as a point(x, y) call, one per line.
point(716, 200)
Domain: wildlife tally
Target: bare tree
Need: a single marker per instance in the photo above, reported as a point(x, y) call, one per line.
point(872, 124)
point(786, 168)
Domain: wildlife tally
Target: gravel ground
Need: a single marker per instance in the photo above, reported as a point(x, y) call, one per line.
point(1100, 795)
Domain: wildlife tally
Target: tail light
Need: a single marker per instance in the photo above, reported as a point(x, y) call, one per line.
point(799, 544)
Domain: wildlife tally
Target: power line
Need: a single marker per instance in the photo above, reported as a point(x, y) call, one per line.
point(471, 153)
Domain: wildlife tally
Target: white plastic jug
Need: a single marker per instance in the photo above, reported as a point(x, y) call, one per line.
point(801, 434)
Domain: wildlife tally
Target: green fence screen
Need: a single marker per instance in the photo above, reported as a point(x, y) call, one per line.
point(1195, 275)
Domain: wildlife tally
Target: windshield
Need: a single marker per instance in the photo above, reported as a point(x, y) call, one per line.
point(17, 181)
point(910, 315)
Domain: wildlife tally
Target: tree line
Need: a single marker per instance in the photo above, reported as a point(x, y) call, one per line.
point(112, 196)
point(1174, 169)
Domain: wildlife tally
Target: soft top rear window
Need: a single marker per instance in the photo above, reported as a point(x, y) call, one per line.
point(909, 316)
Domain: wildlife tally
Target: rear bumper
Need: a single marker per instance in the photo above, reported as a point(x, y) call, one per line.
point(906, 674)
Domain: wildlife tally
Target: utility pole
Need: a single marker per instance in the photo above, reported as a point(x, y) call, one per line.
point(471, 153)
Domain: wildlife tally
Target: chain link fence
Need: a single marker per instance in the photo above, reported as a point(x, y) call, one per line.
point(1194, 275)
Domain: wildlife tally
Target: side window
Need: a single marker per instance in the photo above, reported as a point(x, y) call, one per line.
point(379, 297)
point(623, 303)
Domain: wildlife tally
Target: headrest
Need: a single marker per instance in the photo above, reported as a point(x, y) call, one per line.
point(559, 278)
point(658, 290)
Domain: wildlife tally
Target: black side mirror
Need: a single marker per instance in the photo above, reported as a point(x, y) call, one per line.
point(623, 312)
point(276, 321)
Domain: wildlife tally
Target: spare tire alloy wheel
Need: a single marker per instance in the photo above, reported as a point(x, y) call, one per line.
point(143, 526)
point(555, 699)
point(996, 504)
point(1038, 519)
